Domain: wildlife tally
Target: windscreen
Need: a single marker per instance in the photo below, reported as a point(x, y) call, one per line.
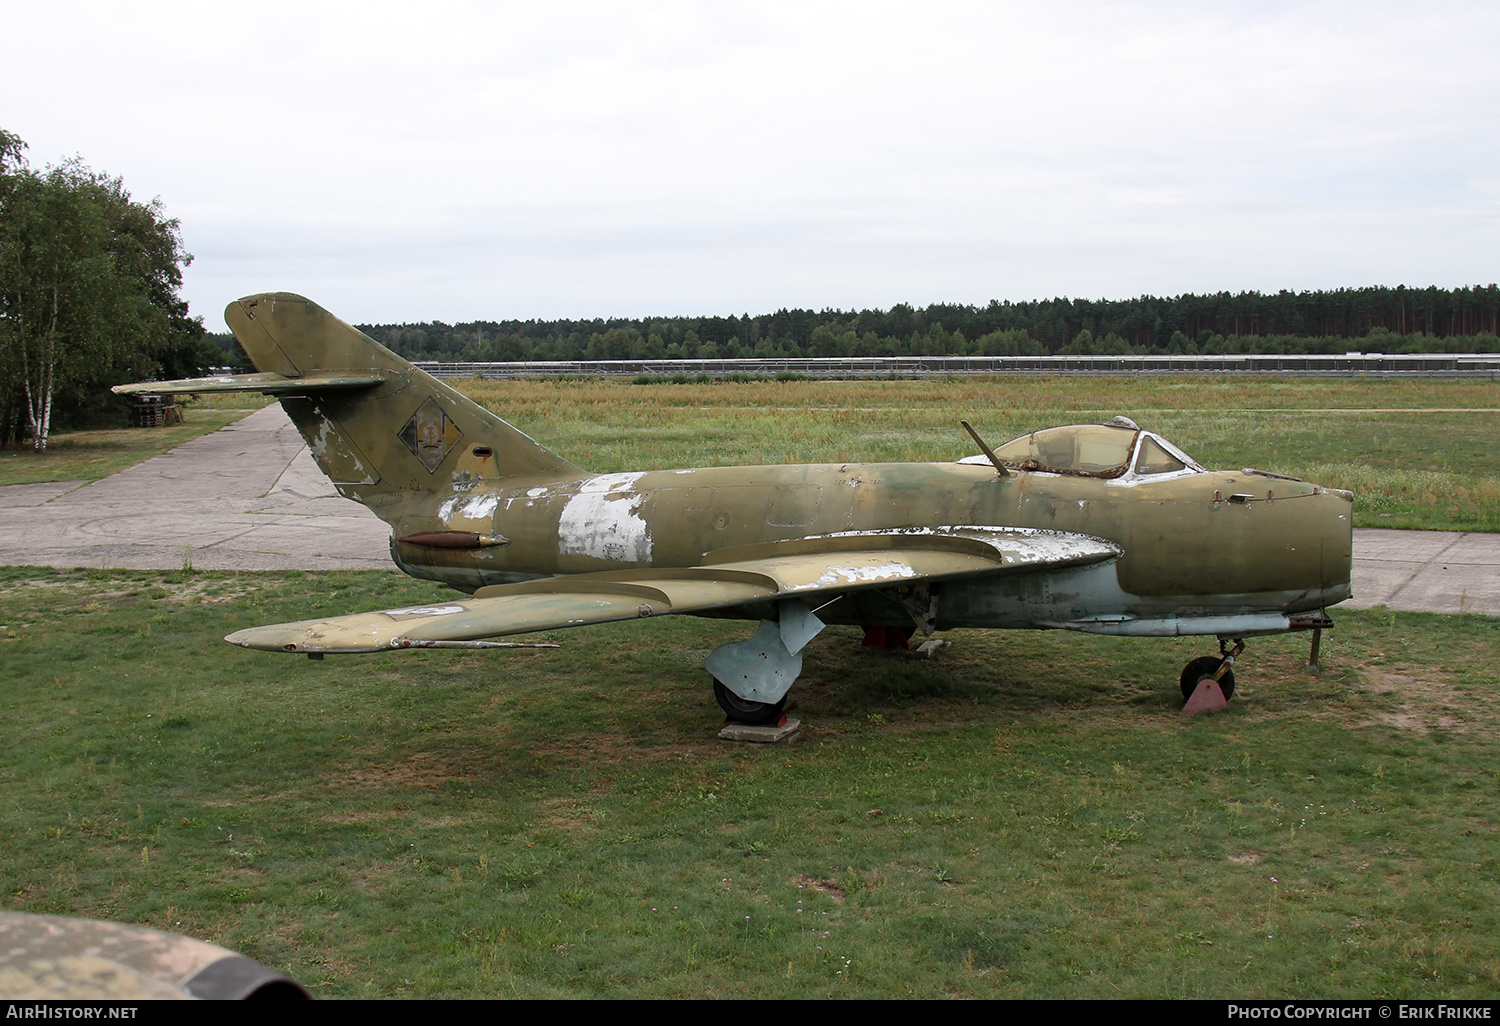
point(1153, 459)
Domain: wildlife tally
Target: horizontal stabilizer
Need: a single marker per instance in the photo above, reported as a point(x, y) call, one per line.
point(270, 384)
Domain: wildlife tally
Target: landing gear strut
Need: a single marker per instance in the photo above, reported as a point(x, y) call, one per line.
point(1211, 668)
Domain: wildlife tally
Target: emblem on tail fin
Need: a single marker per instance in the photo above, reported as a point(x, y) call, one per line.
point(429, 434)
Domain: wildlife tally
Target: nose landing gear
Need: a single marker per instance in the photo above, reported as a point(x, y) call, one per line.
point(1217, 668)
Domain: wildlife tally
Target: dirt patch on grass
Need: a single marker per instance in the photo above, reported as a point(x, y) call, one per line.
point(421, 769)
point(617, 749)
point(229, 803)
point(288, 932)
point(237, 875)
point(374, 878)
point(206, 592)
point(363, 816)
point(565, 814)
point(1427, 703)
point(335, 969)
point(820, 885)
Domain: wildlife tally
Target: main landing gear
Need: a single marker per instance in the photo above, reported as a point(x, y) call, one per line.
point(1219, 668)
point(742, 710)
point(752, 677)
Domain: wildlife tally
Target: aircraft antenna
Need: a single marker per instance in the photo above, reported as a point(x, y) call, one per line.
point(1000, 468)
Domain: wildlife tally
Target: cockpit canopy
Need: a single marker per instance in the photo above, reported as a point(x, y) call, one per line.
point(1093, 450)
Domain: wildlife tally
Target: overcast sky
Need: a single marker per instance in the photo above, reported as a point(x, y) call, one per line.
point(456, 161)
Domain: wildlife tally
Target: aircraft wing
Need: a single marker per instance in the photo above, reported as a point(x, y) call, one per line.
point(815, 568)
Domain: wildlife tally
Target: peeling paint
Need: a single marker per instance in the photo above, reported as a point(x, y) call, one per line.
point(1025, 545)
point(335, 453)
point(475, 507)
point(603, 520)
point(319, 443)
point(858, 575)
point(423, 611)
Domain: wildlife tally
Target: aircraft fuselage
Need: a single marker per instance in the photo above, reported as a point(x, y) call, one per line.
point(1200, 544)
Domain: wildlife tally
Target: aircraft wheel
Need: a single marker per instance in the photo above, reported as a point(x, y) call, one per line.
point(742, 710)
point(1205, 666)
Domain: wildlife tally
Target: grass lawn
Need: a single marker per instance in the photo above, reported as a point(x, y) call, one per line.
point(1027, 815)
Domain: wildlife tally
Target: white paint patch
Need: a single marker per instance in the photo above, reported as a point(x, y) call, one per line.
point(603, 521)
point(476, 507)
point(425, 611)
point(319, 444)
point(533, 493)
point(1012, 545)
point(480, 506)
point(684, 472)
point(836, 575)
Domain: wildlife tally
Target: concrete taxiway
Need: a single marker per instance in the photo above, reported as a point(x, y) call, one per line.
point(246, 497)
point(250, 497)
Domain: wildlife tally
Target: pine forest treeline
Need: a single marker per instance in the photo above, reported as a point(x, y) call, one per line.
point(1376, 319)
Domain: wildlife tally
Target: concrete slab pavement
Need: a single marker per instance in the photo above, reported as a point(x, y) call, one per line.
point(250, 497)
point(247, 497)
point(1427, 571)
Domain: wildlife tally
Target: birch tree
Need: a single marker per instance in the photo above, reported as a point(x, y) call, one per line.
point(88, 283)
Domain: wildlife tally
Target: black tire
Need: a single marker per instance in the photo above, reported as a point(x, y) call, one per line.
point(742, 710)
point(1205, 666)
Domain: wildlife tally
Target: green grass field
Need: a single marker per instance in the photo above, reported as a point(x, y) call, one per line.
point(1027, 815)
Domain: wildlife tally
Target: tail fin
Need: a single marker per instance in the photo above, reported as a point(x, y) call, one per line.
point(409, 433)
point(380, 428)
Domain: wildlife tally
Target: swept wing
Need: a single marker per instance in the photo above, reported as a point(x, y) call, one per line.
point(818, 567)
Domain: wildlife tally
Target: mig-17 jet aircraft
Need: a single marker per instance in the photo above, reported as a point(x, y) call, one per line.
point(1103, 528)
